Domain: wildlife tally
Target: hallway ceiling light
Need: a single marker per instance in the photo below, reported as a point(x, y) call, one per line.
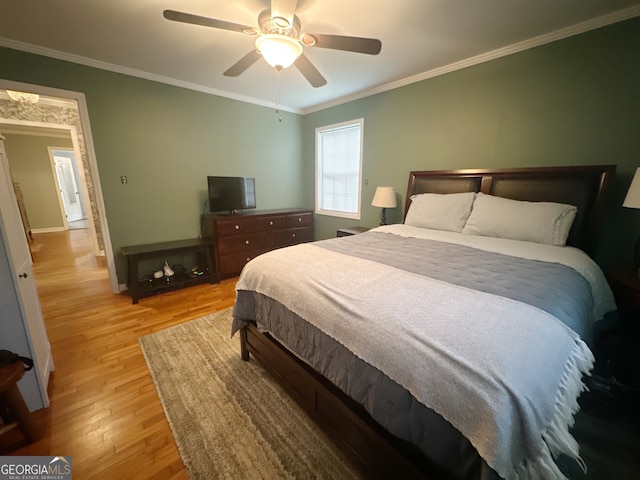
point(23, 97)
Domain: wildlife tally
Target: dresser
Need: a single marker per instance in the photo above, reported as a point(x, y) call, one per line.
point(236, 239)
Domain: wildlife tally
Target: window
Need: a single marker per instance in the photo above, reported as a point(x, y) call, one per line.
point(339, 169)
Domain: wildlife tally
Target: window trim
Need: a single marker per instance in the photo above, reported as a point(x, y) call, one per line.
point(336, 213)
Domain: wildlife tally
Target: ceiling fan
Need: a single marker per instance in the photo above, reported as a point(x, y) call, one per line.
point(280, 40)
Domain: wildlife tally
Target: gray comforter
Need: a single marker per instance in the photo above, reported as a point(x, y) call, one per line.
point(491, 342)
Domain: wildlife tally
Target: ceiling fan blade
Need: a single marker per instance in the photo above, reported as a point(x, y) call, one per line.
point(241, 65)
point(311, 73)
point(370, 46)
point(283, 9)
point(204, 21)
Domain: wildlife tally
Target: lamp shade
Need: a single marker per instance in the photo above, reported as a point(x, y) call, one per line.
point(278, 50)
point(384, 197)
point(632, 200)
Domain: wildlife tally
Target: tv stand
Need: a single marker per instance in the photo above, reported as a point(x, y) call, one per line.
point(136, 253)
point(236, 239)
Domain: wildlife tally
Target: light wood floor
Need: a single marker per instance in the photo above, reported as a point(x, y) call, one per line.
point(104, 409)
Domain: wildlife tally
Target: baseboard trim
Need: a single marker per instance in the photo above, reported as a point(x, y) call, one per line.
point(47, 230)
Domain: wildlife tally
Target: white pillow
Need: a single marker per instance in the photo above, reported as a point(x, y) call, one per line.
point(440, 211)
point(540, 222)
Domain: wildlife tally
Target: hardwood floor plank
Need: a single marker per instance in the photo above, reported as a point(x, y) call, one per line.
point(104, 409)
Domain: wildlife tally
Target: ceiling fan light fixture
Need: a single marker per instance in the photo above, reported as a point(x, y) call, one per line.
point(279, 51)
point(281, 22)
point(307, 40)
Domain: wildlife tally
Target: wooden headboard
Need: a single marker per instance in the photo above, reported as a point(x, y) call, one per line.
point(586, 187)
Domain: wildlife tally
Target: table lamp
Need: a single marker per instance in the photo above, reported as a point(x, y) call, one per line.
point(632, 200)
point(385, 197)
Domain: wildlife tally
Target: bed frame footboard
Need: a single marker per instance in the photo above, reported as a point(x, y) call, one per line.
point(371, 448)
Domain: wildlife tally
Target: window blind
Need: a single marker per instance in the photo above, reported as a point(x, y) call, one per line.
point(339, 168)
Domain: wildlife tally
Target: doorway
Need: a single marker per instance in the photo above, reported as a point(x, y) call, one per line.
point(47, 184)
point(64, 166)
point(23, 116)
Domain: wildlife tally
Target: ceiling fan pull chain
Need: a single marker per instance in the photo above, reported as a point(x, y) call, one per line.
point(278, 95)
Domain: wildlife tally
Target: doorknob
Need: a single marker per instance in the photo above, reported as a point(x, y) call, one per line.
point(22, 275)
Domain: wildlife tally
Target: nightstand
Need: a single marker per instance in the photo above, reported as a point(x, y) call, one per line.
point(625, 284)
point(347, 231)
point(622, 346)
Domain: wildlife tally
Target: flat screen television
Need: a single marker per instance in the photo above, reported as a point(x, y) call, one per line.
point(231, 194)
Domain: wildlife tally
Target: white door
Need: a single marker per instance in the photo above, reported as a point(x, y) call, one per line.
point(68, 188)
point(21, 266)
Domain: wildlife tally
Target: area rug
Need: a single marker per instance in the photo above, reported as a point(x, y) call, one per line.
point(229, 418)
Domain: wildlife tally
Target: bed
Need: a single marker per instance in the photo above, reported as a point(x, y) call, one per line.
point(452, 345)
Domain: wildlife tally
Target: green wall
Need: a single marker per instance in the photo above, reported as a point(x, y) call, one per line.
point(30, 166)
point(572, 102)
point(166, 140)
point(575, 101)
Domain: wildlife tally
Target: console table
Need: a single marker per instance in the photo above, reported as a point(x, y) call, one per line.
point(134, 254)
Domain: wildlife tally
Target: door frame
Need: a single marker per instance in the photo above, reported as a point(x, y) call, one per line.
point(85, 125)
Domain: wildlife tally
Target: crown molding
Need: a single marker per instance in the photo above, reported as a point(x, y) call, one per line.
point(90, 62)
point(576, 29)
point(582, 27)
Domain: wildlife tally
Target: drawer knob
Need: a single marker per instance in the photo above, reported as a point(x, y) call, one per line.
point(271, 223)
point(293, 235)
point(237, 227)
point(299, 219)
point(248, 259)
point(246, 242)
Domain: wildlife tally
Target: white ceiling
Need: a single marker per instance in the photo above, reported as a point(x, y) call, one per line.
point(420, 39)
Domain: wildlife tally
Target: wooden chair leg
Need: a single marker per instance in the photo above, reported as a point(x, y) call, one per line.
point(21, 413)
point(5, 413)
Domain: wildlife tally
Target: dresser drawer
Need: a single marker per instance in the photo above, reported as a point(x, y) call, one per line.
point(243, 243)
point(292, 236)
point(299, 220)
point(233, 264)
point(226, 227)
point(269, 223)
